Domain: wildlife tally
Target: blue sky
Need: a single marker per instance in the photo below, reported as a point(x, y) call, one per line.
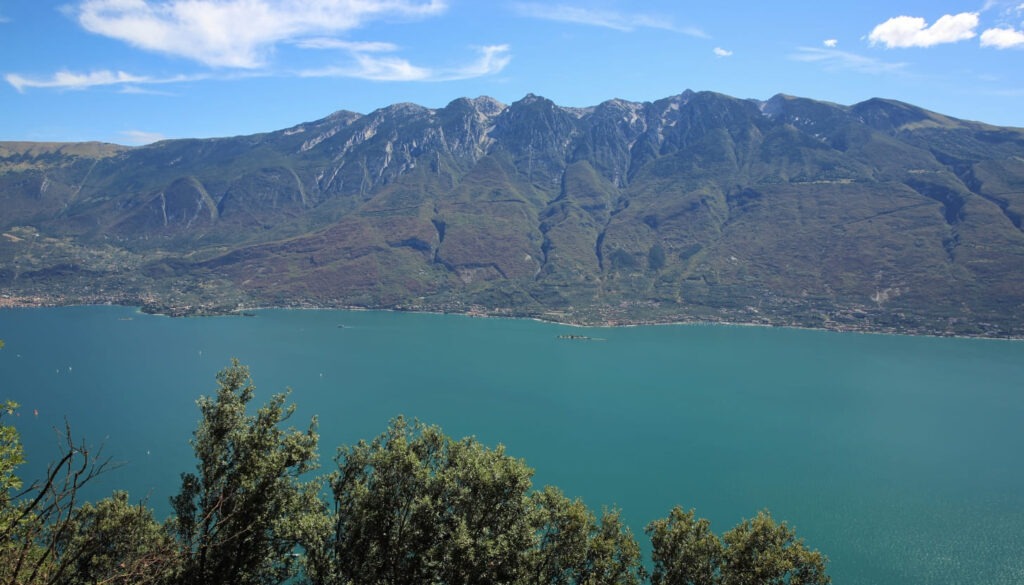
point(134, 71)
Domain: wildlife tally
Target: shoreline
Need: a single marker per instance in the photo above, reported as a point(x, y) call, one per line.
point(245, 310)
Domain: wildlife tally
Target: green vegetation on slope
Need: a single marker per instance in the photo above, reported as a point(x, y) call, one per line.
point(878, 216)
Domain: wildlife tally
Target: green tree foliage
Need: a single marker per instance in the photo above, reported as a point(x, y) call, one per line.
point(414, 506)
point(11, 456)
point(486, 515)
point(613, 555)
point(574, 548)
point(762, 552)
point(684, 551)
point(36, 520)
point(656, 258)
point(116, 542)
point(563, 528)
point(756, 552)
point(238, 518)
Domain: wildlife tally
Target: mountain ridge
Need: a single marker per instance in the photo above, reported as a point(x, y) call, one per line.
point(878, 216)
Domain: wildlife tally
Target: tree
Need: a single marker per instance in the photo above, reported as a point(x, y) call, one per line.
point(762, 552)
point(116, 542)
point(388, 504)
point(613, 555)
point(486, 515)
point(11, 456)
point(574, 548)
point(414, 506)
point(36, 520)
point(684, 550)
point(240, 516)
point(755, 552)
point(563, 527)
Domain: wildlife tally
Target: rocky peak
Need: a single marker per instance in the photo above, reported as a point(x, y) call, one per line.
point(775, 105)
point(822, 121)
point(487, 105)
point(404, 109)
point(888, 115)
point(531, 98)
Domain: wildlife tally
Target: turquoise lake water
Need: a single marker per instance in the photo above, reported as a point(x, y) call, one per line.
point(901, 458)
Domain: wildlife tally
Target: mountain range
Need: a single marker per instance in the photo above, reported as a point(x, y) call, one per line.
point(878, 216)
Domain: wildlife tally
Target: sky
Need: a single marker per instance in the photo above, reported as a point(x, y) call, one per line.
point(137, 71)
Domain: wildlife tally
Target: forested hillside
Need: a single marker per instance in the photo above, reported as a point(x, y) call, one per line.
point(699, 206)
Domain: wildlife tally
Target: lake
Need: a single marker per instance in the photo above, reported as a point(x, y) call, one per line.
point(901, 458)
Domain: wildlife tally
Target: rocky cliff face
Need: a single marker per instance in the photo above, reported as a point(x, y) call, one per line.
point(879, 215)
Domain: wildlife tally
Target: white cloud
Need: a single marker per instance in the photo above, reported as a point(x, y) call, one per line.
point(492, 60)
point(140, 137)
point(387, 69)
point(833, 59)
point(234, 33)
point(1002, 38)
point(830, 43)
point(138, 90)
point(355, 46)
point(367, 65)
point(722, 52)
point(603, 18)
point(912, 31)
point(1008, 6)
point(69, 80)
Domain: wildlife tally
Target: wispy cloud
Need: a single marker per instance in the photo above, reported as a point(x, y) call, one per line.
point(830, 43)
point(375, 69)
point(1014, 7)
point(235, 33)
point(70, 80)
point(237, 37)
point(719, 51)
point(139, 90)
point(912, 31)
point(1002, 38)
point(140, 137)
point(603, 18)
point(834, 59)
point(355, 46)
point(1009, 5)
point(493, 59)
point(367, 65)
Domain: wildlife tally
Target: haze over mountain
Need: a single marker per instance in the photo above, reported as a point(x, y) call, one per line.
point(879, 215)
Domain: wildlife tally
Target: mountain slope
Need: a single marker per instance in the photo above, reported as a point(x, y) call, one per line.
point(878, 216)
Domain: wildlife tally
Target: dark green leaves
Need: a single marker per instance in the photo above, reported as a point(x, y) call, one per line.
point(415, 506)
point(240, 516)
point(756, 552)
point(116, 542)
point(761, 552)
point(684, 550)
